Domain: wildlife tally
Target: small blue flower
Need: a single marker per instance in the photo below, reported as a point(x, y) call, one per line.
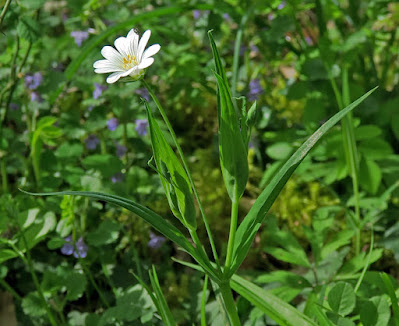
point(226, 17)
point(36, 97)
point(118, 177)
point(33, 81)
point(98, 90)
point(14, 106)
point(143, 92)
point(156, 241)
point(112, 124)
point(281, 5)
point(120, 150)
point(92, 142)
point(196, 14)
point(67, 248)
point(80, 36)
point(255, 89)
point(141, 126)
point(79, 250)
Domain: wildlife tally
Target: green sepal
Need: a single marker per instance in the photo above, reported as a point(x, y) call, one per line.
point(173, 176)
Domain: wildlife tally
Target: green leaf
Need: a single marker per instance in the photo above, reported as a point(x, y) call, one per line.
point(278, 310)
point(75, 283)
point(28, 29)
point(157, 221)
point(395, 125)
point(232, 150)
point(279, 151)
point(383, 311)
point(296, 257)
point(389, 289)
point(164, 310)
point(173, 176)
point(107, 164)
point(254, 219)
point(342, 298)
point(32, 305)
point(368, 313)
point(6, 254)
point(106, 233)
point(25, 219)
point(369, 175)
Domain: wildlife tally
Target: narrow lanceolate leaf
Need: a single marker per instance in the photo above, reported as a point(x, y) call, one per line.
point(157, 221)
point(173, 176)
point(232, 151)
point(275, 308)
point(162, 305)
point(248, 228)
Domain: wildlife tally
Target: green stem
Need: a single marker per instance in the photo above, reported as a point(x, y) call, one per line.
point(3, 13)
point(93, 282)
point(232, 234)
point(229, 303)
point(203, 301)
point(10, 289)
point(349, 141)
point(36, 281)
point(208, 230)
point(4, 175)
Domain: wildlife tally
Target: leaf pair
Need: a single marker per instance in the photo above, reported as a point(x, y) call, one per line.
point(173, 176)
point(232, 146)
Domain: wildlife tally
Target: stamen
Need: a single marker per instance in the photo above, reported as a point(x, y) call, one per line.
point(127, 62)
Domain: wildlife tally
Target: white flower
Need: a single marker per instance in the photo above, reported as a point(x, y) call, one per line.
point(129, 58)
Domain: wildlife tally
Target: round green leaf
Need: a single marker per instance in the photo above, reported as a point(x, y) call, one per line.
point(342, 298)
point(368, 314)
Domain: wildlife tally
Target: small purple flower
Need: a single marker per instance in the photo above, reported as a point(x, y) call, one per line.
point(81, 249)
point(90, 108)
point(196, 14)
point(309, 40)
point(98, 90)
point(141, 126)
point(118, 177)
point(156, 241)
point(120, 150)
point(80, 36)
point(281, 5)
point(112, 124)
point(270, 17)
point(143, 92)
point(92, 142)
point(254, 48)
point(36, 97)
point(255, 89)
point(226, 17)
point(67, 248)
point(14, 106)
point(33, 81)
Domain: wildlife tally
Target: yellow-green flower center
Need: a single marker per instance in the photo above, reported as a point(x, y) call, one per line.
point(127, 61)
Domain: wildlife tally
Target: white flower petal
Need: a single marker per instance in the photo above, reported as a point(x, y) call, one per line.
point(152, 50)
point(130, 71)
point(105, 66)
point(114, 77)
point(108, 52)
point(146, 63)
point(142, 44)
point(122, 45)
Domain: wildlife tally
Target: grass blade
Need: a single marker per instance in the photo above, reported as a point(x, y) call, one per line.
point(280, 311)
point(157, 221)
point(248, 228)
